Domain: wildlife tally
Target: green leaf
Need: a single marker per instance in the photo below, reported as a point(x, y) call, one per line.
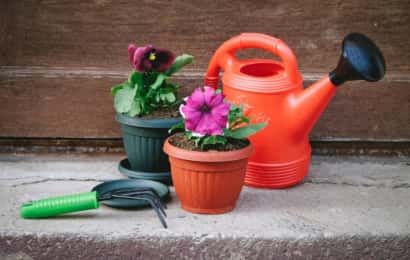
point(218, 91)
point(150, 77)
point(167, 96)
point(188, 134)
point(197, 141)
point(212, 140)
point(136, 109)
point(158, 97)
point(179, 62)
point(124, 98)
point(135, 78)
point(146, 107)
point(158, 81)
point(115, 88)
point(235, 113)
point(238, 121)
point(173, 85)
point(150, 96)
point(243, 132)
point(170, 97)
point(180, 125)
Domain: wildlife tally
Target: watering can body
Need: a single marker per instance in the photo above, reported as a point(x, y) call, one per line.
point(272, 91)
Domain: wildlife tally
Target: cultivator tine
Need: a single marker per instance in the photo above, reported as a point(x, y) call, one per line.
point(138, 189)
point(130, 192)
point(156, 201)
point(151, 201)
point(148, 193)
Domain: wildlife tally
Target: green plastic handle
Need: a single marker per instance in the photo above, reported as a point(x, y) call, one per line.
point(59, 205)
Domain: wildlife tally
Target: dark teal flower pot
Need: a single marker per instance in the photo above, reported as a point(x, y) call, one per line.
point(143, 140)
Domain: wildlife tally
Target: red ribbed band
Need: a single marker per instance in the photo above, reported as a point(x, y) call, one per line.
point(261, 85)
point(211, 82)
point(277, 176)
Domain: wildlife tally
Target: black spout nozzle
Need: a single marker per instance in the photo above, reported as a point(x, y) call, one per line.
point(361, 59)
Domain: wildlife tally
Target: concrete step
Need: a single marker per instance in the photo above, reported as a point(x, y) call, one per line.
point(347, 208)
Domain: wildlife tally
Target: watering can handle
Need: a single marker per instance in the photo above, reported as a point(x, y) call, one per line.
point(225, 55)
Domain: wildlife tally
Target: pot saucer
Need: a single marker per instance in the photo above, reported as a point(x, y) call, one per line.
point(124, 168)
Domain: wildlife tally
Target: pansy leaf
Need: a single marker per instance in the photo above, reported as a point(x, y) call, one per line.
point(158, 81)
point(146, 108)
point(158, 97)
point(245, 131)
point(179, 62)
point(135, 108)
point(173, 85)
point(151, 94)
point(170, 97)
point(135, 78)
point(115, 89)
point(124, 98)
point(167, 96)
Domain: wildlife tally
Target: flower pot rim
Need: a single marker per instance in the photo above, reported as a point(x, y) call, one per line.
point(207, 156)
point(148, 123)
point(124, 168)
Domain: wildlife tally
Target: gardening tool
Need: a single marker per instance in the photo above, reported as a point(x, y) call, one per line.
point(272, 91)
point(117, 194)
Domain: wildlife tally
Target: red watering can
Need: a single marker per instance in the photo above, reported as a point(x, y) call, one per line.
point(272, 91)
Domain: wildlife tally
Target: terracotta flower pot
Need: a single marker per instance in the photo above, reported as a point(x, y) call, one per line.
point(207, 182)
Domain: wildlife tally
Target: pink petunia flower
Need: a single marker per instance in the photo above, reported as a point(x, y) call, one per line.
point(150, 58)
point(205, 112)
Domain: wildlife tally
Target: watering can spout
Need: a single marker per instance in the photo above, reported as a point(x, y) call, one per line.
point(306, 106)
point(361, 59)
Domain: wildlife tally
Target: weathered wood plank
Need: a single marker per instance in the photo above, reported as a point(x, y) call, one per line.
point(367, 111)
point(96, 33)
point(59, 107)
point(58, 59)
point(73, 107)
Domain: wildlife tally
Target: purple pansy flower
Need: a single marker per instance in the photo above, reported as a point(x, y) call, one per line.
point(205, 112)
point(150, 58)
